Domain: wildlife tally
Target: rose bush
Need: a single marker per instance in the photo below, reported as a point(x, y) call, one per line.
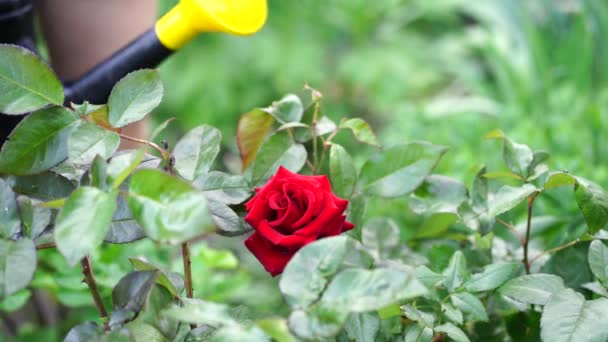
point(289, 212)
point(489, 261)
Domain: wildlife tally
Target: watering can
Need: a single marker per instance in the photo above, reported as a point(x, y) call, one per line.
point(172, 31)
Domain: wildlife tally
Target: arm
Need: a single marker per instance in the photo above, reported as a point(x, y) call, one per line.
point(81, 33)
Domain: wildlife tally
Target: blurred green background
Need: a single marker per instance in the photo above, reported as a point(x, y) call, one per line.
point(445, 71)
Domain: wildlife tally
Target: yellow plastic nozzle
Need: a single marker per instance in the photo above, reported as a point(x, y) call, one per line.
point(190, 17)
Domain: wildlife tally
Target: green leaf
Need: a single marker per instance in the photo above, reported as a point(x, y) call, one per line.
point(557, 179)
point(124, 228)
point(560, 264)
point(251, 132)
point(532, 288)
point(356, 210)
point(325, 126)
point(121, 166)
point(598, 260)
point(361, 130)
point(538, 166)
point(597, 288)
point(9, 214)
point(427, 277)
point(26, 83)
point(453, 332)
point(567, 316)
point(226, 220)
point(196, 311)
point(307, 273)
point(479, 190)
point(492, 277)
point(218, 259)
point(362, 327)
point(17, 265)
point(287, 109)
point(45, 186)
point(98, 173)
point(359, 290)
point(509, 197)
point(321, 323)
point(438, 194)
point(380, 237)
point(424, 318)
point(86, 108)
point(391, 310)
point(399, 170)
point(223, 187)
point(83, 222)
point(143, 332)
point(436, 225)
point(132, 291)
point(471, 305)
point(163, 279)
point(592, 200)
point(134, 96)
point(456, 272)
point(250, 333)
point(278, 150)
point(88, 141)
point(160, 128)
point(15, 301)
point(88, 331)
point(39, 142)
point(518, 157)
point(168, 209)
point(418, 333)
point(34, 218)
point(342, 171)
point(195, 152)
point(277, 329)
point(452, 313)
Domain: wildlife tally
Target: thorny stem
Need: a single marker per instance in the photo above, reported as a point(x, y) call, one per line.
point(511, 228)
point(143, 141)
point(187, 272)
point(187, 268)
point(89, 278)
point(528, 228)
point(315, 155)
point(556, 249)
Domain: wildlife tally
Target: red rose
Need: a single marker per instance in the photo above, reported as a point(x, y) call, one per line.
point(289, 212)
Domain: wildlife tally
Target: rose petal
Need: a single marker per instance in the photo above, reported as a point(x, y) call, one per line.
point(277, 201)
point(273, 184)
point(314, 204)
point(272, 258)
point(277, 238)
point(258, 213)
point(285, 218)
point(347, 226)
point(282, 172)
point(335, 226)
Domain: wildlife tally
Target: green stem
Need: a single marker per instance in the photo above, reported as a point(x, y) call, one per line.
point(89, 279)
point(556, 249)
point(526, 240)
point(160, 150)
point(315, 155)
point(187, 272)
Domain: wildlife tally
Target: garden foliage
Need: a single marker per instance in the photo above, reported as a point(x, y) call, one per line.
point(66, 187)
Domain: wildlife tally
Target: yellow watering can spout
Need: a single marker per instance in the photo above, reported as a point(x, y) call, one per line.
point(172, 31)
point(190, 17)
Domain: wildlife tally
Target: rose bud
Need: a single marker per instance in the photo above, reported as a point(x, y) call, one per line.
point(289, 212)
